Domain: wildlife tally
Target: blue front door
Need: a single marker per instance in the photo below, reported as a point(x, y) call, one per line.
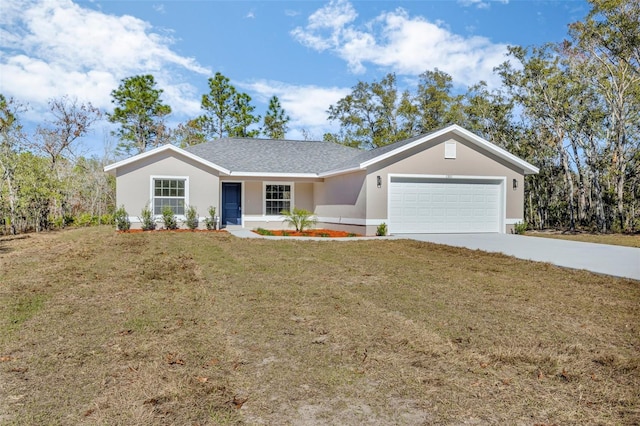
point(231, 204)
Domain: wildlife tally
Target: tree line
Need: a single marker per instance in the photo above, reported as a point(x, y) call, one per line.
point(43, 183)
point(571, 109)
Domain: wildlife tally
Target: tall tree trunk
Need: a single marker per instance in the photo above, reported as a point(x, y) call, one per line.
point(582, 199)
point(569, 183)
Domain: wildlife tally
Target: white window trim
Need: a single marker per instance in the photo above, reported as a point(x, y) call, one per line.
point(152, 196)
point(264, 197)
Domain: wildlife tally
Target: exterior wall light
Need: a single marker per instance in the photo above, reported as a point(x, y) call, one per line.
point(515, 184)
point(379, 180)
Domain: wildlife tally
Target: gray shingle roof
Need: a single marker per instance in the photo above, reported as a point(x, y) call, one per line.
point(269, 156)
point(274, 156)
point(368, 155)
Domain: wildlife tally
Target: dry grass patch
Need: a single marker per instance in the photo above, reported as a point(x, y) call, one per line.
point(197, 328)
point(612, 239)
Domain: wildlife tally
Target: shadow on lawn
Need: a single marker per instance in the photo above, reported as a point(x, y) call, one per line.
point(4, 247)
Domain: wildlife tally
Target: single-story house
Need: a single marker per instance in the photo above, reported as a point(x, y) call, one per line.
point(447, 181)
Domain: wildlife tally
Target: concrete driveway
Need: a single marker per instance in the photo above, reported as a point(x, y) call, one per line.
point(600, 258)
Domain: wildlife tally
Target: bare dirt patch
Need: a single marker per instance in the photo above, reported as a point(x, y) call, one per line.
point(203, 328)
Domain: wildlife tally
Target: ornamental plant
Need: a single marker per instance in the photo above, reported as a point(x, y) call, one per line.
point(146, 217)
point(169, 218)
point(122, 219)
point(520, 228)
point(210, 221)
point(191, 218)
point(381, 231)
point(301, 219)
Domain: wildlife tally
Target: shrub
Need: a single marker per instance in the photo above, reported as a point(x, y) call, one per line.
point(381, 231)
point(520, 228)
point(169, 218)
point(107, 219)
point(191, 215)
point(146, 217)
point(86, 219)
point(301, 219)
point(62, 221)
point(122, 219)
point(210, 221)
point(263, 231)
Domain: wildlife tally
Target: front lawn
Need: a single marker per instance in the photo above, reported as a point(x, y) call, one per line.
point(612, 239)
point(204, 328)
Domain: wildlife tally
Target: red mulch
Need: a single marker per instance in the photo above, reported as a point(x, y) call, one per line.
point(325, 233)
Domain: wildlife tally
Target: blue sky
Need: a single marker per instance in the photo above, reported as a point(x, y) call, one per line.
point(308, 53)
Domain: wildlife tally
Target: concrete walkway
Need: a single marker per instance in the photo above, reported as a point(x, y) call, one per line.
point(600, 258)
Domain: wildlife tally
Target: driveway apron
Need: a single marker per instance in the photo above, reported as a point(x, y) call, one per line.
point(600, 258)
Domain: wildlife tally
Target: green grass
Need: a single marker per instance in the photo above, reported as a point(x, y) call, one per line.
point(204, 328)
point(23, 309)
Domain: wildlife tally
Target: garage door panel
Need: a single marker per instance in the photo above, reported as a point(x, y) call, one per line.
point(444, 207)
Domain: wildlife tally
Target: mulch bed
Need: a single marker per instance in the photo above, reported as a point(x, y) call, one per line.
point(324, 233)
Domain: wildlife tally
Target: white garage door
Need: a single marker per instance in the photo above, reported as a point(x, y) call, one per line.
point(418, 205)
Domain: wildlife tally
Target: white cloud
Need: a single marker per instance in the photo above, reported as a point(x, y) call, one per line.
point(50, 49)
point(477, 3)
point(401, 43)
point(306, 105)
point(480, 4)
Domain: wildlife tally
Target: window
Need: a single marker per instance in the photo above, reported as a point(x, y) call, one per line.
point(277, 198)
point(169, 193)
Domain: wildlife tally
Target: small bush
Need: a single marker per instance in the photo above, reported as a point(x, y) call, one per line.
point(63, 221)
point(324, 234)
point(520, 228)
point(122, 219)
point(107, 219)
point(263, 231)
point(210, 221)
point(85, 219)
point(169, 218)
point(301, 219)
point(191, 215)
point(146, 217)
point(381, 231)
point(351, 234)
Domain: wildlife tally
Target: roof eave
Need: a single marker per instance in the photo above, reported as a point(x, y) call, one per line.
point(111, 168)
point(336, 172)
point(273, 175)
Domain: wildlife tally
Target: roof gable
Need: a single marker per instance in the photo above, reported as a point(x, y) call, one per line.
point(377, 155)
point(111, 168)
